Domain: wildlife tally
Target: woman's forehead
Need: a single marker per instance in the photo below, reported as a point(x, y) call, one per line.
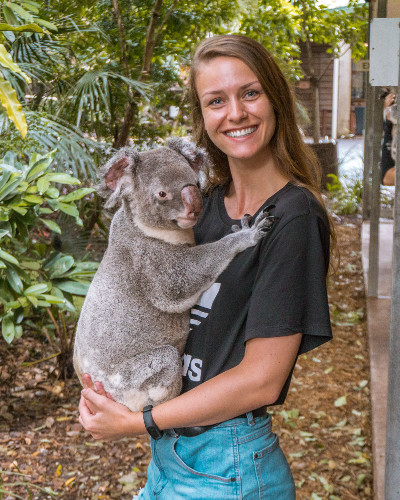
point(222, 73)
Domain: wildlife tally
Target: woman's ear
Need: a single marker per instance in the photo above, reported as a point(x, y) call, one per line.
point(197, 157)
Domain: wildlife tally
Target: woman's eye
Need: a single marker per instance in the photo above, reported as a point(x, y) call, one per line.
point(252, 93)
point(216, 101)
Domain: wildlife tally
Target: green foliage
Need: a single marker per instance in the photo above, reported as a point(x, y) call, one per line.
point(319, 24)
point(344, 194)
point(22, 481)
point(21, 19)
point(33, 277)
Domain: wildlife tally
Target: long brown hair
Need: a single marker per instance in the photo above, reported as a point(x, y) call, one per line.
point(295, 159)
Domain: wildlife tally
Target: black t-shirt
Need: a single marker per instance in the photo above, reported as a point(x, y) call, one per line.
point(274, 289)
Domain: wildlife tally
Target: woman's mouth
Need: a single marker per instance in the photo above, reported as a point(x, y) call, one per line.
point(241, 132)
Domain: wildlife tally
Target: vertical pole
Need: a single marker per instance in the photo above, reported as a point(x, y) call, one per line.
point(392, 469)
point(335, 97)
point(368, 134)
point(377, 122)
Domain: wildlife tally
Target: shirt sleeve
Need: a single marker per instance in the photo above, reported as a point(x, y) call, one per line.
point(289, 294)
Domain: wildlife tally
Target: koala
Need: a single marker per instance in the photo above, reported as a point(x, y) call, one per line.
point(135, 319)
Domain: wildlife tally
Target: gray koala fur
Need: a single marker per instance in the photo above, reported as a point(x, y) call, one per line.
point(135, 319)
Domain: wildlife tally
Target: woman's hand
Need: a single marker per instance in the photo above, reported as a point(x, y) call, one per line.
point(103, 417)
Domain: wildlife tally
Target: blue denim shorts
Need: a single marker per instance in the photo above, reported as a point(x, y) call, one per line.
point(237, 459)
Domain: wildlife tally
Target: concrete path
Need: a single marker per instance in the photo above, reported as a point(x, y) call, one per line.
point(378, 314)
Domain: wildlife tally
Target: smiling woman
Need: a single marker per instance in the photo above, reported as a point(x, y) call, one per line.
point(269, 305)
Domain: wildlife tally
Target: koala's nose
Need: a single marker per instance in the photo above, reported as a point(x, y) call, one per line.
point(191, 198)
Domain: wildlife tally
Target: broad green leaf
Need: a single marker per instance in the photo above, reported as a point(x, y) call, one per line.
point(45, 210)
point(76, 195)
point(52, 192)
point(73, 287)
point(7, 62)
point(8, 329)
point(9, 15)
point(20, 11)
point(20, 210)
point(62, 178)
point(2, 265)
point(8, 257)
point(30, 7)
point(52, 225)
point(24, 27)
point(43, 303)
point(43, 184)
point(33, 300)
point(10, 187)
point(30, 264)
point(46, 24)
point(52, 299)
point(41, 164)
point(38, 289)
point(9, 100)
point(64, 207)
point(14, 280)
point(18, 331)
point(33, 199)
point(4, 232)
point(61, 266)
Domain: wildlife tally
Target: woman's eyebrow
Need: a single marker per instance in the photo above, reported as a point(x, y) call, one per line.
point(220, 91)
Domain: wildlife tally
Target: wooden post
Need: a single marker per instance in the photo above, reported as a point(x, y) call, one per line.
point(377, 123)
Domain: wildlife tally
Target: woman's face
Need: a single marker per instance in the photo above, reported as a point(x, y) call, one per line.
point(238, 116)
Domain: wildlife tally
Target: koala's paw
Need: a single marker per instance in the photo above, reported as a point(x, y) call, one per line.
point(263, 223)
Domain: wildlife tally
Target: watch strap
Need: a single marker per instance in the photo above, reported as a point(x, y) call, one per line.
point(151, 426)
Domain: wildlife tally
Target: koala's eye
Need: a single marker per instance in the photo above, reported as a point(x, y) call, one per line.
point(162, 194)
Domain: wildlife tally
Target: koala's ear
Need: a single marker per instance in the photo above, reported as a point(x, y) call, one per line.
point(123, 162)
point(197, 157)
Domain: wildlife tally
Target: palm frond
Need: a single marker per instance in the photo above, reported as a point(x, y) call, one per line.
point(77, 153)
point(91, 93)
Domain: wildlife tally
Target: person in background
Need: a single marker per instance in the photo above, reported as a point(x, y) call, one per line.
point(389, 139)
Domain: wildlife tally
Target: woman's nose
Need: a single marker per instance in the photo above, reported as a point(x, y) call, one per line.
point(236, 110)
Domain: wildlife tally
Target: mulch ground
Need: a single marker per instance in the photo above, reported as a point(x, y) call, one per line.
point(324, 426)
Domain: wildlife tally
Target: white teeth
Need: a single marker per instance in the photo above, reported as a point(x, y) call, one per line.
point(241, 133)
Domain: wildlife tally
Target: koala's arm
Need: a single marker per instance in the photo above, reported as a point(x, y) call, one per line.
point(173, 281)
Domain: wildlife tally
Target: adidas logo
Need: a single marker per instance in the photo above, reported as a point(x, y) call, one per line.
point(201, 310)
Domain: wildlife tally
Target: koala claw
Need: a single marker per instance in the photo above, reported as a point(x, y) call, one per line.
point(245, 221)
point(264, 222)
point(268, 208)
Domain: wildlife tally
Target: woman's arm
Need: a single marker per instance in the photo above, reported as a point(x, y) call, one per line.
point(255, 382)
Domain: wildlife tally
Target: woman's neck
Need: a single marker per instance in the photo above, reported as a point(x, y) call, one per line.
point(251, 185)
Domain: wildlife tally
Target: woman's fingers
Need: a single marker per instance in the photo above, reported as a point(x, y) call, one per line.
point(87, 381)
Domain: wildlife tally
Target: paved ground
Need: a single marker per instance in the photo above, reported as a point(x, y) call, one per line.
point(378, 311)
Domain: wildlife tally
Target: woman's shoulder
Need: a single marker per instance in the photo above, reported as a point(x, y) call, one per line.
point(296, 201)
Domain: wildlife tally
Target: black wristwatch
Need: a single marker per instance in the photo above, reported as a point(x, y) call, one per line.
point(149, 423)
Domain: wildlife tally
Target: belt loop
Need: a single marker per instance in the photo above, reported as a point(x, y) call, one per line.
point(250, 418)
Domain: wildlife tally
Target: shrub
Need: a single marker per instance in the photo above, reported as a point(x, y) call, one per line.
point(36, 280)
point(344, 194)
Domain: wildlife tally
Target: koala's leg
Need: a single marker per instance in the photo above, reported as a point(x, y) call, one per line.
point(189, 271)
point(151, 377)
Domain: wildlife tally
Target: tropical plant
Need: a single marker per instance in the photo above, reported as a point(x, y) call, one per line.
point(20, 18)
point(344, 194)
point(35, 279)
